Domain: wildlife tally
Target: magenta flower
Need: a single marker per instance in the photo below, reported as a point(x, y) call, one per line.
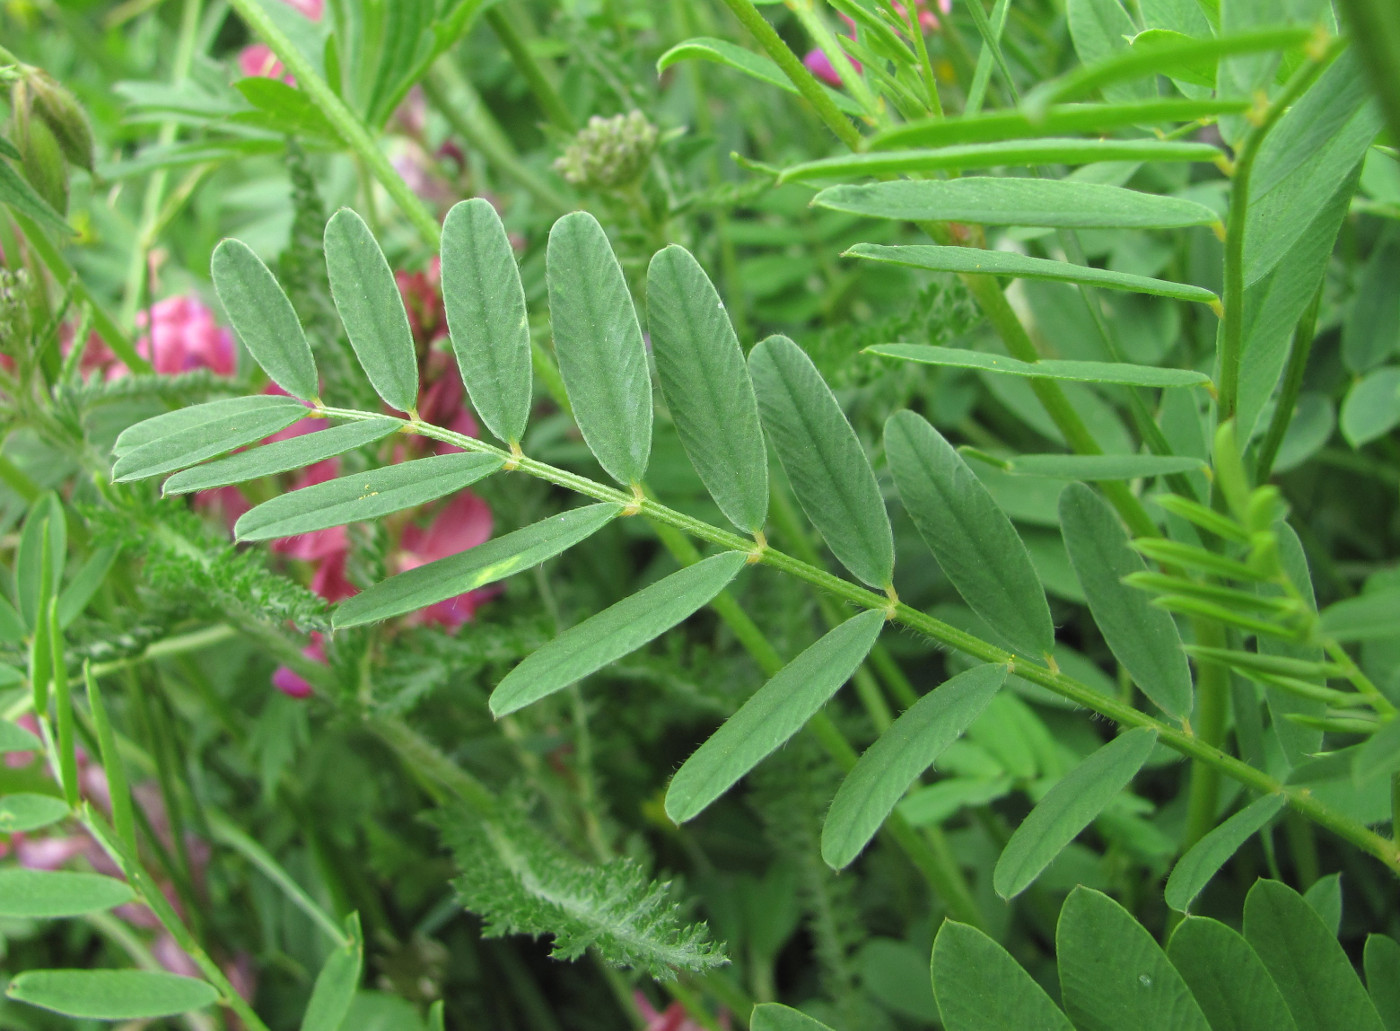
point(820, 65)
point(464, 522)
point(183, 336)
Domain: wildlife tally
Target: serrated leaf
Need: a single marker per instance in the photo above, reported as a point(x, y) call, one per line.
point(28, 812)
point(1099, 468)
point(1049, 368)
point(1069, 807)
point(281, 456)
point(15, 738)
point(476, 567)
point(371, 309)
point(486, 315)
point(980, 987)
point(905, 750)
point(969, 535)
point(706, 384)
point(1195, 869)
point(755, 66)
point(1227, 978)
point(1306, 961)
point(224, 431)
point(336, 984)
point(1382, 963)
point(774, 713)
point(616, 631)
point(264, 319)
point(824, 460)
point(49, 894)
point(774, 1016)
point(363, 496)
point(599, 345)
point(112, 994)
point(1143, 638)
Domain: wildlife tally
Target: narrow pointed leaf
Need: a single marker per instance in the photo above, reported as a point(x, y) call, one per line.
point(14, 738)
point(616, 631)
point(1143, 638)
point(1382, 963)
point(371, 309)
point(476, 567)
point(29, 812)
point(486, 315)
point(774, 1016)
point(281, 456)
point(1069, 807)
point(76, 594)
point(1227, 978)
point(1195, 869)
point(774, 713)
point(1096, 468)
point(363, 496)
point(193, 420)
point(112, 994)
point(45, 529)
point(908, 747)
point(48, 894)
point(210, 438)
point(599, 345)
point(1049, 368)
point(823, 459)
point(336, 984)
point(980, 987)
point(973, 541)
point(264, 319)
point(706, 386)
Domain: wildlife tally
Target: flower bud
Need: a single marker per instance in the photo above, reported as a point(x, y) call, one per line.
point(62, 114)
point(609, 152)
point(40, 154)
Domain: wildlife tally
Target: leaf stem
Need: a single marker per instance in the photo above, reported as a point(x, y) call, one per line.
point(1212, 708)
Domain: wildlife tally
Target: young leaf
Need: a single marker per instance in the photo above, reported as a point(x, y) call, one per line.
point(281, 456)
point(1113, 975)
point(1227, 978)
point(1198, 866)
point(29, 812)
point(774, 1016)
point(823, 459)
point(476, 567)
point(1068, 808)
point(210, 438)
point(363, 496)
point(599, 345)
point(336, 984)
point(908, 747)
point(193, 420)
point(774, 713)
point(264, 319)
point(112, 994)
point(486, 315)
point(1050, 368)
point(1382, 963)
point(707, 387)
point(974, 542)
point(1144, 639)
point(616, 631)
point(980, 987)
point(47, 894)
point(1097, 468)
point(371, 309)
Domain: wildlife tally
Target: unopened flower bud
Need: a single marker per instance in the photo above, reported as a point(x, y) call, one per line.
point(609, 152)
point(40, 154)
point(60, 111)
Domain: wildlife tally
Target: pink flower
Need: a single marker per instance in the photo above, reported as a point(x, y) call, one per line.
point(464, 522)
point(820, 65)
point(258, 60)
point(673, 1018)
point(183, 336)
point(293, 685)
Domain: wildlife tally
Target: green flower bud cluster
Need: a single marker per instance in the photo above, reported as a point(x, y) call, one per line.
point(609, 153)
point(50, 130)
point(16, 311)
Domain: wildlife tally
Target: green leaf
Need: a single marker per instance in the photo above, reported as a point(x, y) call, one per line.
point(264, 319)
point(363, 496)
point(336, 984)
point(755, 66)
point(1378, 755)
point(74, 597)
point(118, 790)
point(1306, 961)
point(979, 261)
point(371, 309)
point(1371, 408)
point(14, 738)
point(1143, 638)
point(193, 420)
point(1095, 468)
point(616, 631)
point(599, 345)
point(908, 747)
point(707, 387)
point(1068, 808)
point(980, 987)
point(476, 567)
point(824, 460)
point(1195, 869)
point(1325, 897)
point(1049, 368)
point(45, 894)
point(222, 430)
point(1100, 30)
point(1366, 617)
point(1197, 71)
point(18, 194)
point(486, 315)
point(973, 541)
point(1227, 978)
point(774, 1016)
point(281, 456)
point(1113, 975)
point(30, 571)
point(1371, 332)
point(29, 812)
point(1382, 962)
point(774, 713)
point(111, 994)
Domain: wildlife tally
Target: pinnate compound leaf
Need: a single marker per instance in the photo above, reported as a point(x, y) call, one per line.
point(1195, 869)
point(973, 541)
point(774, 1016)
point(28, 812)
point(336, 984)
point(1227, 978)
point(1068, 808)
point(371, 309)
point(476, 567)
point(980, 987)
point(486, 315)
point(47, 894)
point(1306, 961)
point(112, 994)
point(706, 386)
point(1382, 964)
point(363, 496)
point(1142, 637)
point(616, 631)
point(281, 456)
point(222, 430)
point(824, 461)
point(599, 345)
point(264, 319)
point(774, 713)
point(1113, 975)
point(1050, 368)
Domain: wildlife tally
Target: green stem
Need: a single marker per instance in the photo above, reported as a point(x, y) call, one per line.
point(826, 42)
point(551, 103)
point(1212, 708)
point(1292, 385)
